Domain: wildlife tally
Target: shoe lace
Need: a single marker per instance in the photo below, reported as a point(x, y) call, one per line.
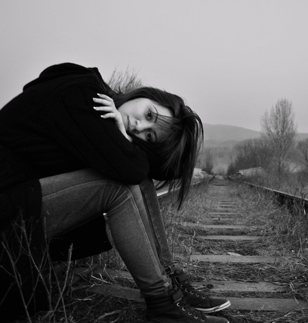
point(177, 297)
point(191, 290)
point(190, 310)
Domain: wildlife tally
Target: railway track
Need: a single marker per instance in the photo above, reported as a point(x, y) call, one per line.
point(228, 250)
point(290, 200)
point(258, 296)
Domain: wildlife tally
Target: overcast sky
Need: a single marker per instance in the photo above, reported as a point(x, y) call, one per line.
point(230, 60)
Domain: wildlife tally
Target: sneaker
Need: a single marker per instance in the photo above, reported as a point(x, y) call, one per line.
point(173, 308)
point(195, 298)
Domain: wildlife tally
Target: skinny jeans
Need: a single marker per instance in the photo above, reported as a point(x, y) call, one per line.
point(131, 212)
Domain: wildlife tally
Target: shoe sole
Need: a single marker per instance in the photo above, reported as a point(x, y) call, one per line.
point(214, 309)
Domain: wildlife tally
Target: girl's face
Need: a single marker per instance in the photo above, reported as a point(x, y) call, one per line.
point(140, 119)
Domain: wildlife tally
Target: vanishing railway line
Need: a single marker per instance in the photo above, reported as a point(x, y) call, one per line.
point(259, 295)
point(225, 245)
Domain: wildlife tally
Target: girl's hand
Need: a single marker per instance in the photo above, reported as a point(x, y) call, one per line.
point(110, 111)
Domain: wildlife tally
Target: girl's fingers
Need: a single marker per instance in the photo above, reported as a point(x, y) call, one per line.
point(103, 108)
point(103, 101)
point(108, 115)
point(106, 97)
point(107, 106)
point(103, 95)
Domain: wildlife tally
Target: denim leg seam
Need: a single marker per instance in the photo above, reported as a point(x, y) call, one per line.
point(137, 217)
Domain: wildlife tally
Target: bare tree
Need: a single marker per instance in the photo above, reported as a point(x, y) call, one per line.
point(124, 81)
point(251, 153)
point(303, 148)
point(206, 160)
point(280, 132)
point(209, 162)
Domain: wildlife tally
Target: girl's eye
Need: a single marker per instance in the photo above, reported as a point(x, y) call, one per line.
point(149, 115)
point(149, 137)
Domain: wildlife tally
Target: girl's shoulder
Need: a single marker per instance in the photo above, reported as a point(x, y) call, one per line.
point(67, 71)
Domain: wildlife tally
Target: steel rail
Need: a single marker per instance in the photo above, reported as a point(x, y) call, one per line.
point(290, 200)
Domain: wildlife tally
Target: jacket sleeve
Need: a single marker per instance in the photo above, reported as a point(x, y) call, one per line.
point(95, 141)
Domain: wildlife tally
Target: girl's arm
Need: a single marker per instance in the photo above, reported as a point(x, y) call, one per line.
point(96, 141)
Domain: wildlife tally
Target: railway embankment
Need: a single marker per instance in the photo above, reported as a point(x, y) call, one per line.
point(233, 242)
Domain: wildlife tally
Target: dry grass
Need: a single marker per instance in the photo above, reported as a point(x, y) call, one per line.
point(279, 237)
point(286, 236)
point(283, 235)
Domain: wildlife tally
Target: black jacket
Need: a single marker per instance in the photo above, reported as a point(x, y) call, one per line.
point(52, 128)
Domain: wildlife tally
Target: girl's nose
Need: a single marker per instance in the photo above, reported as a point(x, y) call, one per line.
point(140, 126)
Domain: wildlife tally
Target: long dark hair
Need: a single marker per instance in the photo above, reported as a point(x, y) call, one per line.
point(180, 147)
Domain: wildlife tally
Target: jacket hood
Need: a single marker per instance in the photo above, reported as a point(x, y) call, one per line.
point(63, 70)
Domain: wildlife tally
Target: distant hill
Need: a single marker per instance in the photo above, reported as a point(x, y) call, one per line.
point(225, 133)
point(230, 135)
point(302, 136)
point(221, 140)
